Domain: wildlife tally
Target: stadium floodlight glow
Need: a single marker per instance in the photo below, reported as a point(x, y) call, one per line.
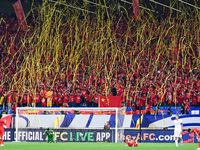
point(73, 7)
point(95, 3)
point(139, 6)
point(165, 5)
point(189, 4)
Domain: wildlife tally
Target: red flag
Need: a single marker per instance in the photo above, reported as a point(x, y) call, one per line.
point(8, 121)
point(110, 101)
point(20, 15)
point(136, 9)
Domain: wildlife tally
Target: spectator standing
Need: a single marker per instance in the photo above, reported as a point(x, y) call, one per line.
point(9, 101)
point(198, 98)
point(24, 100)
point(78, 99)
point(187, 107)
point(148, 109)
point(169, 111)
point(71, 100)
point(37, 99)
point(183, 108)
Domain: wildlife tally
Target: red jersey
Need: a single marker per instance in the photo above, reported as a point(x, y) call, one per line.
point(55, 98)
point(24, 100)
point(132, 143)
point(198, 98)
point(88, 98)
point(128, 103)
point(194, 100)
point(71, 98)
point(187, 106)
point(43, 102)
point(83, 93)
point(16, 97)
point(144, 98)
point(96, 99)
point(60, 99)
point(85, 85)
point(196, 130)
point(37, 98)
point(9, 99)
point(78, 99)
point(148, 108)
point(65, 98)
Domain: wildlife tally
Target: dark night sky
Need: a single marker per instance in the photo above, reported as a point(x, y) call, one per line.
point(6, 5)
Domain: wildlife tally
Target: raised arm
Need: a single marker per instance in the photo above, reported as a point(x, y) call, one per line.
point(44, 133)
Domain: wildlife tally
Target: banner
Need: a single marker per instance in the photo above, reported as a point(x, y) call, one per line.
point(8, 135)
point(26, 112)
point(63, 135)
point(74, 121)
point(96, 135)
point(157, 136)
point(110, 101)
point(136, 10)
point(20, 15)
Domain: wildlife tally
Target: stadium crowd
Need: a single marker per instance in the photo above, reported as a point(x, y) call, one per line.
point(142, 70)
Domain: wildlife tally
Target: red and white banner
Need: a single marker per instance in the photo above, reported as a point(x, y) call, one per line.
point(136, 10)
point(20, 15)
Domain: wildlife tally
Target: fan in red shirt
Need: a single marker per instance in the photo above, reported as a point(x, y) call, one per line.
point(148, 109)
point(43, 100)
point(2, 123)
point(96, 100)
point(89, 99)
point(24, 100)
point(187, 106)
point(55, 99)
point(65, 99)
point(29, 99)
point(9, 101)
point(71, 100)
point(78, 100)
point(16, 97)
point(60, 99)
point(37, 99)
point(197, 132)
point(83, 94)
